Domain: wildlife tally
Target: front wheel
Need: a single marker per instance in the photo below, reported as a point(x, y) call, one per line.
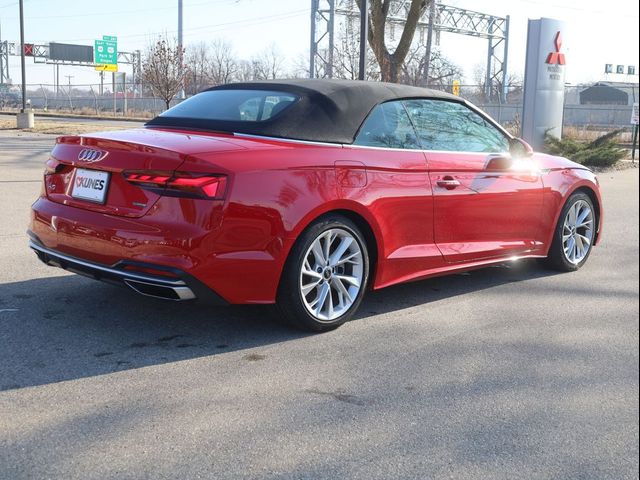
point(325, 276)
point(574, 235)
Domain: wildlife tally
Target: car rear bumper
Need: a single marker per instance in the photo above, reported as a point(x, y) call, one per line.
point(172, 284)
point(222, 256)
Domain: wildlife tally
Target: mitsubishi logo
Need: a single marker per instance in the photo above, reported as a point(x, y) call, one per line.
point(91, 155)
point(557, 58)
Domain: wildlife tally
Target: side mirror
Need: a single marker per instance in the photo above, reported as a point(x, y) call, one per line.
point(519, 148)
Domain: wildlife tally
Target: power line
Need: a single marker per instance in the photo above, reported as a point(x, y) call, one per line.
point(212, 27)
point(121, 12)
point(12, 4)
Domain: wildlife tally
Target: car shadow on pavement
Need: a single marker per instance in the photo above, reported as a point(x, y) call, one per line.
point(68, 327)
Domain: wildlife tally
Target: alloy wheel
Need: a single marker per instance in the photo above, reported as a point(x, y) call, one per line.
point(331, 274)
point(577, 232)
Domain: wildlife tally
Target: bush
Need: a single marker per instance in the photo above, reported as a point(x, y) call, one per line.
point(601, 152)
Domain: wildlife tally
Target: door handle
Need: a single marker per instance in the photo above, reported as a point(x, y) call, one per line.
point(448, 182)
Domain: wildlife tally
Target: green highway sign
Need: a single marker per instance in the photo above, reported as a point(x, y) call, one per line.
point(105, 52)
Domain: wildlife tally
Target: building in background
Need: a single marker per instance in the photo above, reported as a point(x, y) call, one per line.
point(609, 93)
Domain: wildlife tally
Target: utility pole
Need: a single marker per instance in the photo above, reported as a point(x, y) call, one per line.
point(138, 79)
point(364, 34)
point(22, 59)
point(312, 56)
point(427, 54)
point(69, 77)
point(24, 119)
point(181, 93)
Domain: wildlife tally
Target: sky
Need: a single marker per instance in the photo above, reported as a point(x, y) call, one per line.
point(596, 32)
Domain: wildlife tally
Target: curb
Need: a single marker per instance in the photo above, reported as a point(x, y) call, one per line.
point(81, 117)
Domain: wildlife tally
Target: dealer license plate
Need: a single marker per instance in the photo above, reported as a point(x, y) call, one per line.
point(91, 185)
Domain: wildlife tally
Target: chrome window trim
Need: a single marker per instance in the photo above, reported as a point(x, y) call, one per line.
point(286, 140)
point(351, 145)
point(423, 150)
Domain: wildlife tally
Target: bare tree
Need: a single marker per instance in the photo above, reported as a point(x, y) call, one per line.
point(245, 71)
point(442, 71)
point(163, 69)
point(346, 57)
point(197, 59)
point(268, 65)
point(391, 63)
point(300, 66)
point(223, 66)
point(513, 86)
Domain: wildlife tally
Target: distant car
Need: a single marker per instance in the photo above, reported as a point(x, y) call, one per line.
point(306, 193)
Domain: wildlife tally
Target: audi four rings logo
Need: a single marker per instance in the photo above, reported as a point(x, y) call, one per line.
point(91, 155)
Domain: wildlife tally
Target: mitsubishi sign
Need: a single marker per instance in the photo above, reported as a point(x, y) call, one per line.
point(544, 81)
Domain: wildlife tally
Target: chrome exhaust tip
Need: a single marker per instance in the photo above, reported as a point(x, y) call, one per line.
point(148, 289)
point(176, 289)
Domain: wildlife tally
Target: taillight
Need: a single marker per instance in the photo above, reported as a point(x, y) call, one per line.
point(180, 184)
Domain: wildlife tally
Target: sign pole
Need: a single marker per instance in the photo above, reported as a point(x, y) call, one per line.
point(124, 94)
point(113, 89)
point(635, 143)
point(22, 59)
point(364, 33)
point(24, 119)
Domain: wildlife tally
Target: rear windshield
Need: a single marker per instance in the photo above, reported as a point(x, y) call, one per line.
point(233, 105)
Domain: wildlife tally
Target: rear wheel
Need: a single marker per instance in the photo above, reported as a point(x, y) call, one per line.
point(325, 276)
point(574, 235)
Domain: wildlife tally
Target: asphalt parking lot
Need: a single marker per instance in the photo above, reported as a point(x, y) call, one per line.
point(511, 372)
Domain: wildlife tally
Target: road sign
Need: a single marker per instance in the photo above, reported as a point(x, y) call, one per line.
point(455, 88)
point(634, 114)
point(107, 68)
point(106, 54)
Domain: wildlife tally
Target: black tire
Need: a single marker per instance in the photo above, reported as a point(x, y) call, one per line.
point(290, 303)
point(556, 259)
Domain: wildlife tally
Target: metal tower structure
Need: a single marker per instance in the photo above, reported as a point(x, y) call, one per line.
point(326, 14)
point(4, 62)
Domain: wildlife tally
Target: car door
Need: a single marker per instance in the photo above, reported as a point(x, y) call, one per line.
point(486, 204)
point(395, 190)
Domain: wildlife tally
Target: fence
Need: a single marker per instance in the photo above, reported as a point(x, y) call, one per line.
point(601, 107)
point(127, 100)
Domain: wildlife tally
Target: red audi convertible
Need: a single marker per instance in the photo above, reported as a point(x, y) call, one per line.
point(306, 193)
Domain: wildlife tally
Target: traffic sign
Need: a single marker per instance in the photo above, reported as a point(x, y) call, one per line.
point(107, 67)
point(634, 114)
point(105, 54)
point(455, 88)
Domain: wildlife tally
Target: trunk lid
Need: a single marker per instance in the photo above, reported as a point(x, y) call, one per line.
point(79, 163)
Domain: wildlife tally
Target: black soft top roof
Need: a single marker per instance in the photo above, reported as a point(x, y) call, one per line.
point(327, 110)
